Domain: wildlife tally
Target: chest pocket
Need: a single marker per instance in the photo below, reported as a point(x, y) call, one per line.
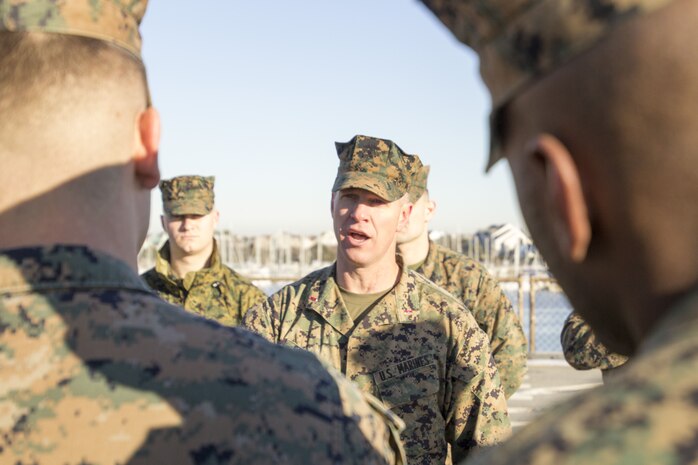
point(408, 381)
point(313, 335)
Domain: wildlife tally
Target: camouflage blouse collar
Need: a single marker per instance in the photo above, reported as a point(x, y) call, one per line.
point(63, 266)
point(398, 306)
point(162, 262)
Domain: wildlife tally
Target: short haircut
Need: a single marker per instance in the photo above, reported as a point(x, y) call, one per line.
point(34, 65)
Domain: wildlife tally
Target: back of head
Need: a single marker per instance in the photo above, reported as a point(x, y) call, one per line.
point(72, 96)
point(613, 86)
point(60, 61)
point(70, 102)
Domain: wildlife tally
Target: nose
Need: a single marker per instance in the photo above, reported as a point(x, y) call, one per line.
point(186, 224)
point(360, 212)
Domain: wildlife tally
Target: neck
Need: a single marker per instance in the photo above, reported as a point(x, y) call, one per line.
point(372, 279)
point(64, 216)
point(182, 263)
point(416, 250)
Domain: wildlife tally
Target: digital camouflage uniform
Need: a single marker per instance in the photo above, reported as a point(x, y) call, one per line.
point(583, 351)
point(96, 369)
point(643, 415)
point(417, 348)
point(215, 292)
point(646, 414)
point(480, 292)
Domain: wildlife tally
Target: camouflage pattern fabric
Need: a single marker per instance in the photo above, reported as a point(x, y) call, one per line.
point(644, 415)
point(520, 41)
point(417, 349)
point(480, 292)
point(96, 369)
point(187, 195)
point(418, 182)
point(581, 348)
point(217, 292)
point(114, 21)
point(376, 165)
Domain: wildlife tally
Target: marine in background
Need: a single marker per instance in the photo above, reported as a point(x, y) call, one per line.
point(188, 269)
point(387, 328)
point(94, 368)
point(593, 107)
point(584, 351)
point(466, 279)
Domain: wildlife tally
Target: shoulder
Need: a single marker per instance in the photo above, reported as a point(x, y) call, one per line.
point(313, 280)
point(264, 388)
point(435, 299)
point(289, 398)
point(453, 259)
point(238, 280)
point(150, 276)
point(224, 386)
point(620, 422)
point(427, 289)
point(234, 276)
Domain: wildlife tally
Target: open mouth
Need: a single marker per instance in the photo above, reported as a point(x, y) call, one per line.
point(356, 237)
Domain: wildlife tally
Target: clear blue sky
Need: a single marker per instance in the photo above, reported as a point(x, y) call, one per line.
point(256, 93)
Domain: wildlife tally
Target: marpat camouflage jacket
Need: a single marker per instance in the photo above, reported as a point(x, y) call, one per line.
point(94, 368)
point(417, 349)
point(481, 293)
point(217, 292)
point(581, 348)
point(646, 414)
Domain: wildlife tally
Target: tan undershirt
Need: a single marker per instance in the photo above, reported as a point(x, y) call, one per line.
point(358, 304)
point(417, 265)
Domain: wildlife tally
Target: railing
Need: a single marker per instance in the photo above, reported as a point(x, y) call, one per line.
point(538, 301)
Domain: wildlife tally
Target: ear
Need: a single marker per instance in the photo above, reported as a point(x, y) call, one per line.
point(162, 222)
point(430, 210)
point(404, 219)
point(565, 197)
point(146, 146)
point(216, 216)
point(332, 203)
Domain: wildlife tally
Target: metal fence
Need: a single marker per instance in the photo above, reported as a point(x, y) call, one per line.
point(542, 308)
point(538, 300)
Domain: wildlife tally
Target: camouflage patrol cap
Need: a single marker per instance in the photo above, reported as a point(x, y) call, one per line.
point(417, 176)
point(376, 165)
point(418, 183)
point(187, 195)
point(113, 21)
point(520, 41)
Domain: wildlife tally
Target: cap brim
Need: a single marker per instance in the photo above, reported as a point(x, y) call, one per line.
point(496, 130)
point(371, 183)
point(186, 208)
